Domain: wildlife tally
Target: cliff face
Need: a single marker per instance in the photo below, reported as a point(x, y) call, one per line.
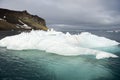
point(20, 20)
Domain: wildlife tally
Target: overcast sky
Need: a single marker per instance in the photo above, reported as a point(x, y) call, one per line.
point(69, 13)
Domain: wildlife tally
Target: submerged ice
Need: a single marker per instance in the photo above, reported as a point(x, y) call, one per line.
point(60, 43)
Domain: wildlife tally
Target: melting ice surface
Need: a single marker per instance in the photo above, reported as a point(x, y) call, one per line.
point(60, 43)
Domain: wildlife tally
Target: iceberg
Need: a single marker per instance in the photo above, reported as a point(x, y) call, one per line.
point(60, 43)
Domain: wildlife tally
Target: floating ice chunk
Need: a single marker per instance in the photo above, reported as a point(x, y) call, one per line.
point(117, 31)
point(110, 31)
point(60, 43)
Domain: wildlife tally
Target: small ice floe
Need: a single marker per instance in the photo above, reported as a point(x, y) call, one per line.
point(117, 31)
point(110, 31)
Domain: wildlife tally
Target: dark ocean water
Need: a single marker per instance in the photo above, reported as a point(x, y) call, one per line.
point(40, 65)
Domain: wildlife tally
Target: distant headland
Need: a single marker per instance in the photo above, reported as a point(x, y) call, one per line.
point(20, 20)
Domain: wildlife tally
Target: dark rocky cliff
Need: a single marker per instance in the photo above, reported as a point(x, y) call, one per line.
point(20, 20)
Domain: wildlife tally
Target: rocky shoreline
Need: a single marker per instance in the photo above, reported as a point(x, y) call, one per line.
point(20, 20)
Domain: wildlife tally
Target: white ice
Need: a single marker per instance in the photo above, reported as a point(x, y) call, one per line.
point(60, 43)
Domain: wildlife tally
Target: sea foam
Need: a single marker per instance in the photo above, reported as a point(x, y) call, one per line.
point(60, 43)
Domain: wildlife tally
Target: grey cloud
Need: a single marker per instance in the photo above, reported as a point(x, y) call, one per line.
point(85, 13)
